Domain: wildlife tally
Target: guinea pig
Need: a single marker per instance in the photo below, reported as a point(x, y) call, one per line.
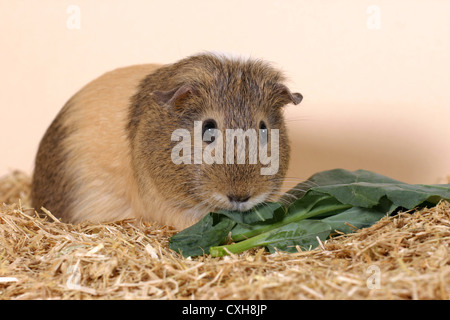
point(109, 153)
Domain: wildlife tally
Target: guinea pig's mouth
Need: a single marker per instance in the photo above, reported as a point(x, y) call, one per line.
point(237, 203)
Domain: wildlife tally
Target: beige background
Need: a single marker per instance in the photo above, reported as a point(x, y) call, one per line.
point(375, 81)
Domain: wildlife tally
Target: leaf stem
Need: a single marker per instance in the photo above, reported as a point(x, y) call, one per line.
point(256, 237)
point(238, 247)
point(298, 216)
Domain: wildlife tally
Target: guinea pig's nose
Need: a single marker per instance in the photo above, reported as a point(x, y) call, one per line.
point(238, 198)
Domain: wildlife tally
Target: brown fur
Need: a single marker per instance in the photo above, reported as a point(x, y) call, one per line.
point(107, 155)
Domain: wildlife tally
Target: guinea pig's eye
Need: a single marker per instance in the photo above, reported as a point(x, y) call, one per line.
point(263, 127)
point(263, 131)
point(208, 130)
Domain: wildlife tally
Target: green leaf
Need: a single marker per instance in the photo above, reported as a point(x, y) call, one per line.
point(314, 204)
point(335, 199)
point(311, 205)
point(336, 177)
point(264, 212)
point(197, 239)
point(214, 228)
point(303, 234)
point(368, 195)
point(365, 189)
point(356, 217)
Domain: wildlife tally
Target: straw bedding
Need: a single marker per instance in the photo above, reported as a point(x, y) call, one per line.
point(401, 257)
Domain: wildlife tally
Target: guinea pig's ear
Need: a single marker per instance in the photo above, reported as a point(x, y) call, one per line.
point(173, 97)
point(287, 96)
